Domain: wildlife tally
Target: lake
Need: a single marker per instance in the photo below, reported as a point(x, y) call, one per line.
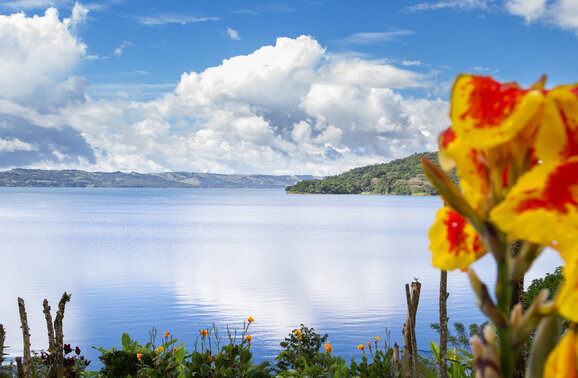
point(183, 259)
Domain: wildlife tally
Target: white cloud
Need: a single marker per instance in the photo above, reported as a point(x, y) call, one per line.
point(459, 4)
point(375, 37)
point(120, 49)
point(233, 34)
point(173, 18)
point(36, 51)
point(11, 145)
point(411, 63)
point(286, 108)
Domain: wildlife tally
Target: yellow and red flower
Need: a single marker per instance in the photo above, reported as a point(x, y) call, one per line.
point(561, 362)
point(204, 333)
point(167, 335)
point(250, 320)
point(328, 348)
point(361, 347)
point(297, 333)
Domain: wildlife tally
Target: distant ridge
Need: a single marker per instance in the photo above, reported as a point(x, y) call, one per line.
point(402, 177)
point(75, 178)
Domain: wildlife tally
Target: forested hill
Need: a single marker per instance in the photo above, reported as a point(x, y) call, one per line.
point(77, 178)
point(401, 176)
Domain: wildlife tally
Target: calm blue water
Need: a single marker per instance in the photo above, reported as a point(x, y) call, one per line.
point(182, 259)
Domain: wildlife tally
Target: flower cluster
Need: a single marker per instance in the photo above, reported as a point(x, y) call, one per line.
point(515, 151)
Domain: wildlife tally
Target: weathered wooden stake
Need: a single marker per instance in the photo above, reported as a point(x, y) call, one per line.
point(396, 365)
point(59, 337)
point(443, 324)
point(20, 371)
point(409, 359)
point(26, 363)
point(49, 327)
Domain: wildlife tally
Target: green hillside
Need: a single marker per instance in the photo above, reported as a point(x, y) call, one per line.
point(401, 177)
point(76, 178)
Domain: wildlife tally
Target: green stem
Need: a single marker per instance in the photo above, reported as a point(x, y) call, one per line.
point(504, 294)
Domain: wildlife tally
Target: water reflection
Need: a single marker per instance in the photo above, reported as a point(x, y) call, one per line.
point(182, 259)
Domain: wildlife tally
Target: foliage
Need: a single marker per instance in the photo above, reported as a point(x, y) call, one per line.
point(461, 362)
point(551, 282)
point(301, 348)
point(461, 339)
point(402, 177)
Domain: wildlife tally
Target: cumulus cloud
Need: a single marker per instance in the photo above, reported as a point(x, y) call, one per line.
point(289, 107)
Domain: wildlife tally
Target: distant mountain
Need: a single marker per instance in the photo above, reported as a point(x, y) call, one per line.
point(401, 176)
point(75, 178)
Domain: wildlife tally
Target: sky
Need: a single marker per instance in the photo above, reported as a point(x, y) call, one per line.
point(256, 87)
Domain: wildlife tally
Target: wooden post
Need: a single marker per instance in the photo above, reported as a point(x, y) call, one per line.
point(396, 365)
point(409, 360)
point(59, 337)
point(49, 327)
point(443, 324)
point(26, 363)
point(19, 369)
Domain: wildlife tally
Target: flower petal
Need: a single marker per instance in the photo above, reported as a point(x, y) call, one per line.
point(567, 297)
point(453, 241)
point(561, 362)
point(558, 137)
point(486, 113)
point(543, 206)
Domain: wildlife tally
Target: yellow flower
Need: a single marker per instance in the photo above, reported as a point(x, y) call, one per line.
point(250, 320)
point(486, 113)
point(328, 348)
point(248, 338)
point(561, 362)
point(453, 241)
point(204, 333)
point(361, 347)
point(543, 206)
point(298, 333)
point(175, 349)
point(376, 338)
point(167, 335)
point(160, 349)
point(139, 355)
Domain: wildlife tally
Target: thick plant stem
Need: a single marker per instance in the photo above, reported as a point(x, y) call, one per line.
point(26, 366)
point(504, 295)
point(443, 324)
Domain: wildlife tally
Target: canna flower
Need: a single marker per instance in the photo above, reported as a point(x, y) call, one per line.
point(160, 349)
point(167, 335)
point(453, 241)
point(376, 338)
point(175, 349)
point(328, 348)
point(204, 333)
point(297, 333)
point(248, 338)
point(250, 320)
point(543, 207)
point(139, 356)
point(561, 362)
point(361, 347)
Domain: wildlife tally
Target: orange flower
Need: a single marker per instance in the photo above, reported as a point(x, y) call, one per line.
point(139, 355)
point(204, 333)
point(328, 348)
point(160, 349)
point(250, 320)
point(376, 338)
point(167, 335)
point(248, 338)
point(361, 347)
point(175, 349)
point(298, 333)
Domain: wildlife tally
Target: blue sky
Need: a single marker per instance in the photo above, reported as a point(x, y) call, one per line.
point(284, 87)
